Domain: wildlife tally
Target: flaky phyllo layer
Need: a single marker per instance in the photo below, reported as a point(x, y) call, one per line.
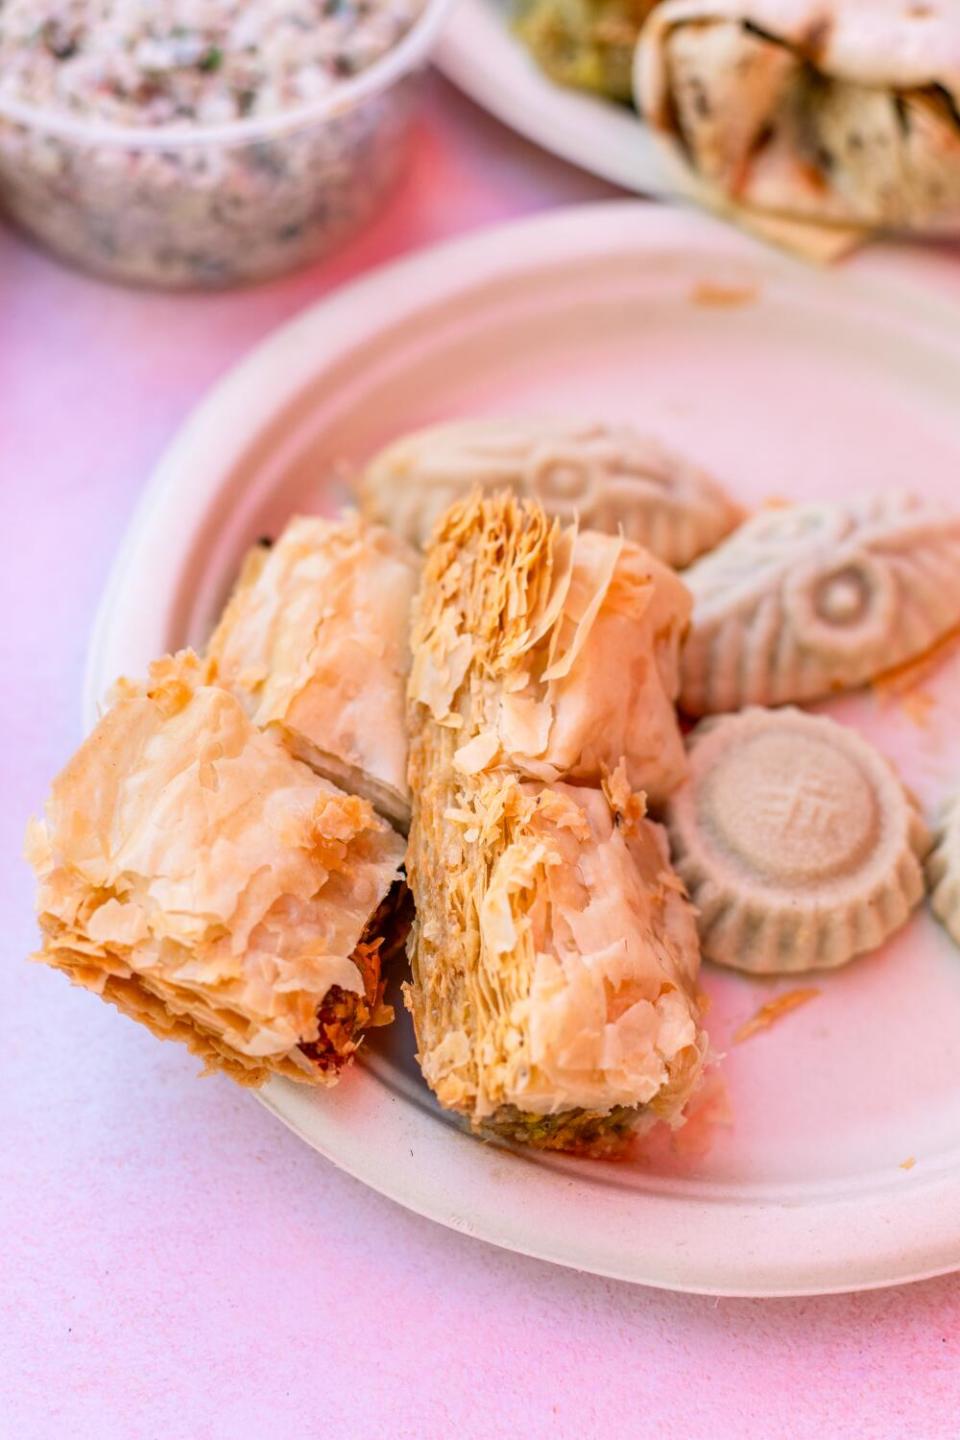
point(552, 651)
point(315, 642)
point(208, 884)
point(554, 954)
point(555, 957)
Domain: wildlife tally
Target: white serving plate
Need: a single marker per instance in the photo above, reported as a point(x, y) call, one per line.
point(814, 382)
point(478, 51)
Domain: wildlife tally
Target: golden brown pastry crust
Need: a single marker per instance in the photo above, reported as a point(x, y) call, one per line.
point(315, 641)
point(209, 885)
point(552, 651)
point(554, 955)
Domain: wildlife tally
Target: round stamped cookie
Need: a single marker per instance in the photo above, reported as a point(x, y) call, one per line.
point(796, 840)
point(943, 870)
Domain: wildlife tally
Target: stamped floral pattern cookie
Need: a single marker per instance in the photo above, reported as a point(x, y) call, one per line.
point(609, 477)
point(808, 600)
point(796, 840)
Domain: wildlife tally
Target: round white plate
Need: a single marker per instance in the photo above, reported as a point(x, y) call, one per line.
point(478, 51)
point(787, 382)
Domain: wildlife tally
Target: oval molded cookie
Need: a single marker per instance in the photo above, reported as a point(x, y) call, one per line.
point(806, 600)
point(610, 477)
point(943, 870)
point(797, 842)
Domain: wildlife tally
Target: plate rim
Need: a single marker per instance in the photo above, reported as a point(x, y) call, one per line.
point(563, 121)
point(279, 365)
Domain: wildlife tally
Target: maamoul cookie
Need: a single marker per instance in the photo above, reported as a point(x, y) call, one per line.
point(943, 870)
point(806, 600)
point(798, 844)
point(610, 477)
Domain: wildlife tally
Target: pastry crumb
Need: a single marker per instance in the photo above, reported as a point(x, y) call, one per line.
point(909, 1163)
point(774, 1010)
point(917, 707)
point(713, 296)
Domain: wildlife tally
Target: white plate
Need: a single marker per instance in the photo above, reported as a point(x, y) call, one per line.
point(478, 51)
point(814, 383)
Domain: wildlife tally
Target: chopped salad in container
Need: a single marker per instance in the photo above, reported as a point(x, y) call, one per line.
point(203, 142)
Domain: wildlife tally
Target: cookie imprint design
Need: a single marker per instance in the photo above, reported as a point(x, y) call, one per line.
point(943, 870)
point(798, 844)
point(609, 477)
point(802, 602)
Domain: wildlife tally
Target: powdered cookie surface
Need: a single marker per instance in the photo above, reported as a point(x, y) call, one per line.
point(808, 600)
point(796, 840)
point(609, 477)
point(943, 870)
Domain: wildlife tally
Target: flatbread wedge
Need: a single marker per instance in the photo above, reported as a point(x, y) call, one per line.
point(813, 121)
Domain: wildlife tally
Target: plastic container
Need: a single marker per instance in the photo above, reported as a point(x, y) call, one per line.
point(214, 205)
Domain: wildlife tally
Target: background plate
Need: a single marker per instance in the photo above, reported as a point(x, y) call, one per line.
point(478, 51)
point(787, 382)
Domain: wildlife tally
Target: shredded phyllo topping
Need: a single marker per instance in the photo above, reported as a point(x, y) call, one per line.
point(550, 650)
point(554, 963)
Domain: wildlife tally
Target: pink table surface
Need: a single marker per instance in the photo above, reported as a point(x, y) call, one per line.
point(173, 1263)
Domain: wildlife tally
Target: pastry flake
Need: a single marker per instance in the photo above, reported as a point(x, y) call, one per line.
point(211, 886)
point(797, 842)
point(315, 641)
point(830, 116)
point(806, 600)
point(609, 477)
point(549, 650)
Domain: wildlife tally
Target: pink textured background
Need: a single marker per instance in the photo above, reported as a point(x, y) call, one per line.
point(172, 1262)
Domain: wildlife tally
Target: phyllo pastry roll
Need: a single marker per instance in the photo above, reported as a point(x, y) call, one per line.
point(315, 641)
point(549, 650)
point(807, 600)
point(196, 875)
point(609, 477)
point(797, 841)
point(836, 112)
point(554, 957)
